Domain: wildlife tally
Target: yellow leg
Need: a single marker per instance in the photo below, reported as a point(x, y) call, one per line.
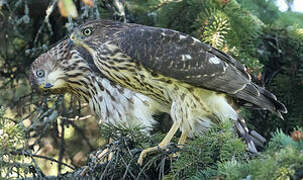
point(181, 142)
point(162, 144)
point(104, 152)
point(183, 137)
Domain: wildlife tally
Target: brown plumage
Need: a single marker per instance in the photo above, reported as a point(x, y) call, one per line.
point(179, 56)
point(175, 69)
point(69, 69)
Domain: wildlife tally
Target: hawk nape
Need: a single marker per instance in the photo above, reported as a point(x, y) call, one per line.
point(193, 78)
point(67, 69)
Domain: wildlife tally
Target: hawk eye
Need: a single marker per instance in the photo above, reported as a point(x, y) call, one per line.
point(40, 73)
point(87, 31)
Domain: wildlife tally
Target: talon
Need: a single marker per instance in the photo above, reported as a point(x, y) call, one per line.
point(99, 156)
point(102, 156)
point(175, 155)
point(140, 160)
point(162, 144)
point(144, 152)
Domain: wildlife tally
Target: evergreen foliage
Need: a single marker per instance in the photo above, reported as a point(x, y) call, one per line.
point(13, 162)
point(282, 55)
point(288, 17)
point(266, 11)
point(217, 154)
point(204, 153)
point(282, 159)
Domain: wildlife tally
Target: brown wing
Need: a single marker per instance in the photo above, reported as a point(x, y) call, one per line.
point(185, 58)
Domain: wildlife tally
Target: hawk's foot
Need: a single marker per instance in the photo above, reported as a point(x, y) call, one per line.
point(148, 150)
point(181, 142)
point(105, 155)
point(163, 143)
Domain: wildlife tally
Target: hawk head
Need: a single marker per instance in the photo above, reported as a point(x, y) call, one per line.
point(93, 33)
point(83, 36)
point(60, 69)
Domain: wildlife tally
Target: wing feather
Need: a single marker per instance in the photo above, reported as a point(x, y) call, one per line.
point(180, 56)
point(185, 58)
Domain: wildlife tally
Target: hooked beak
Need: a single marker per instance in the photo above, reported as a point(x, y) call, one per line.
point(48, 85)
point(75, 37)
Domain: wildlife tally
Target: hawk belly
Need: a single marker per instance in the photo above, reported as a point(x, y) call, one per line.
point(195, 108)
point(120, 106)
point(111, 102)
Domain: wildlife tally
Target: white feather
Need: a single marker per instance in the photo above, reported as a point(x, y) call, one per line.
point(221, 108)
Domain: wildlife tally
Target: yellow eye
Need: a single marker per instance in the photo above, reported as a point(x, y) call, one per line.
point(87, 31)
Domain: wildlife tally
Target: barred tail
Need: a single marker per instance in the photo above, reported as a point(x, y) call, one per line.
point(251, 138)
point(256, 96)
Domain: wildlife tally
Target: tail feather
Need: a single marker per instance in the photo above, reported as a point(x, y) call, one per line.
point(252, 138)
point(261, 98)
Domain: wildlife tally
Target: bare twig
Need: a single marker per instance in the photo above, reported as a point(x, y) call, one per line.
point(62, 144)
point(49, 11)
point(40, 156)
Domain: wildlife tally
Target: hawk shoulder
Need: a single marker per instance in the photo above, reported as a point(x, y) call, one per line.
point(185, 58)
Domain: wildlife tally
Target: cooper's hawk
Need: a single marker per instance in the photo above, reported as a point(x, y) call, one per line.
point(173, 68)
point(65, 68)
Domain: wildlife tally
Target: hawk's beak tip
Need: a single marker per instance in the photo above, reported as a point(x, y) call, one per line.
point(72, 37)
point(47, 86)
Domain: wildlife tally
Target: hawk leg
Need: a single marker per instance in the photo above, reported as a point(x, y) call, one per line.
point(181, 142)
point(162, 144)
point(105, 155)
point(183, 138)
